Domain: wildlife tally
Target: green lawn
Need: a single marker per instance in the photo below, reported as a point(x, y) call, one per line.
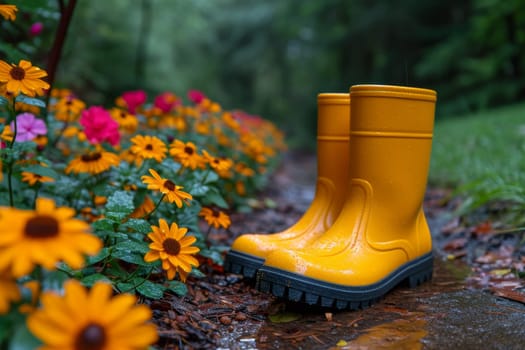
point(481, 157)
point(479, 147)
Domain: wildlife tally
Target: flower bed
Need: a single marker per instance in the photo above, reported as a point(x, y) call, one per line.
point(99, 206)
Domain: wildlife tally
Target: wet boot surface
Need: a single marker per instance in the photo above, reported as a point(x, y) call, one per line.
point(474, 301)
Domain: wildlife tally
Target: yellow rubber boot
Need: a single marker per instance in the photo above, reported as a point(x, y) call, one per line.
point(249, 251)
point(381, 237)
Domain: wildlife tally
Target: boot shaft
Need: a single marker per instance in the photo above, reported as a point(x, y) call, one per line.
point(390, 147)
point(333, 129)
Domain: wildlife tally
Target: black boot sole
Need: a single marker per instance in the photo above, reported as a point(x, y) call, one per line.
point(298, 288)
point(242, 263)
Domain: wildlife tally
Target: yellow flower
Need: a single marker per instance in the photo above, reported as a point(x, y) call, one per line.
point(44, 237)
point(8, 12)
point(32, 178)
point(243, 169)
point(143, 209)
point(125, 120)
point(186, 154)
point(172, 192)
point(93, 163)
point(172, 247)
point(24, 78)
point(215, 218)
point(221, 165)
point(68, 108)
point(9, 291)
point(94, 320)
point(149, 147)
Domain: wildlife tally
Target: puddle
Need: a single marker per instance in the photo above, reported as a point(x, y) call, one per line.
point(397, 322)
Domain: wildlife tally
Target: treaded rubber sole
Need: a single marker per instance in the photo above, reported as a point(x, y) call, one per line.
point(311, 291)
point(242, 263)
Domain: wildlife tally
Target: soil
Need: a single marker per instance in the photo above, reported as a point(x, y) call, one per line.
point(224, 311)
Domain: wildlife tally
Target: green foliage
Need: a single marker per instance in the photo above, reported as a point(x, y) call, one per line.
point(481, 156)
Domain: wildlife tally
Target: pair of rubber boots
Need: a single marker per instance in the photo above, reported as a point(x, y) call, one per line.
point(365, 231)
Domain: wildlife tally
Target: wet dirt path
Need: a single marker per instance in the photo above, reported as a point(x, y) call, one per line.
point(446, 313)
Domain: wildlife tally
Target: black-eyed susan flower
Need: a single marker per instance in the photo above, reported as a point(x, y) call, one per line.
point(32, 178)
point(215, 218)
point(172, 192)
point(43, 237)
point(146, 146)
point(173, 247)
point(23, 78)
point(68, 108)
point(125, 120)
point(104, 322)
point(186, 154)
point(8, 12)
point(221, 165)
point(92, 162)
point(9, 291)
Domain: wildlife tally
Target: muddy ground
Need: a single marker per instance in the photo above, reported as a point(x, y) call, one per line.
point(474, 300)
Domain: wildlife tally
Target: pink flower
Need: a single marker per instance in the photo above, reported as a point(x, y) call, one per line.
point(36, 28)
point(134, 99)
point(166, 102)
point(28, 127)
point(99, 126)
point(196, 96)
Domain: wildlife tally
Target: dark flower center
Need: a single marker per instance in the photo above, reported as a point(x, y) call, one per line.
point(149, 147)
point(42, 226)
point(188, 150)
point(171, 246)
point(169, 185)
point(92, 157)
point(123, 115)
point(215, 213)
point(92, 337)
point(17, 73)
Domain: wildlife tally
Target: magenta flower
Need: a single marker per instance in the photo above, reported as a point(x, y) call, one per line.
point(196, 96)
point(28, 127)
point(166, 102)
point(134, 99)
point(99, 126)
point(36, 28)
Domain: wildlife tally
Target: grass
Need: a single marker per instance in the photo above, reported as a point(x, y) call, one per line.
point(481, 156)
point(479, 146)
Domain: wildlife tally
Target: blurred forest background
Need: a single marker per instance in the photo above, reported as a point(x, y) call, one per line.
point(273, 57)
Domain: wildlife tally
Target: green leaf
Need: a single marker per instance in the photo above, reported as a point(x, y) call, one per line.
point(214, 197)
point(104, 225)
point(104, 253)
point(284, 317)
point(120, 202)
point(23, 339)
point(137, 225)
point(125, 287)
point(150, 289)
point(94, 278)
point(3, 101)
point(132, 247)
point(198, 189)
point(130, 257)
point(177, 287)
point(41, 170)
point(30, 101)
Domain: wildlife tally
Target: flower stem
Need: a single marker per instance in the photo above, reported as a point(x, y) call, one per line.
point(156, 206)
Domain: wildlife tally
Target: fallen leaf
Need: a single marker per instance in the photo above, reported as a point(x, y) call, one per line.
point(510, 294)
point(341, 343)
point(455, 244)
point(284, 317)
